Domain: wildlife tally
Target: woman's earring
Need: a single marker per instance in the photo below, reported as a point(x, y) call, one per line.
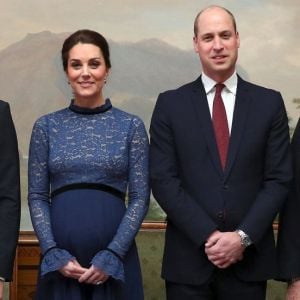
point(105, 78)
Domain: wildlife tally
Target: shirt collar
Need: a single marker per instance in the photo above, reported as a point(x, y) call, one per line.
point(230, 83)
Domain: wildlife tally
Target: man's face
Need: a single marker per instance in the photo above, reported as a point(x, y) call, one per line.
point(217, 43)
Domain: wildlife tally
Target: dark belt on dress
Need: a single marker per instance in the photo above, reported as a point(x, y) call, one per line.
point(92, 186)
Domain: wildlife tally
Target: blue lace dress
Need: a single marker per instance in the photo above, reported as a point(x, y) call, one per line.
point(81, 164)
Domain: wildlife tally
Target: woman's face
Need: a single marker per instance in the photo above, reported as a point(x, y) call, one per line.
point(87, 73)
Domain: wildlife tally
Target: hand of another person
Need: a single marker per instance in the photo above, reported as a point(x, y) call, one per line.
point(72, 269)
point(93, 275)
point(293, 291)
point(1, 289)
point(224, 248)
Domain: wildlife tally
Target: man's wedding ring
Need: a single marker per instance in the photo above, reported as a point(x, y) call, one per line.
point(99, 282)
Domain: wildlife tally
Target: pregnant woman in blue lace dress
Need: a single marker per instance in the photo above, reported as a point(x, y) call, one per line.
point(82, 161)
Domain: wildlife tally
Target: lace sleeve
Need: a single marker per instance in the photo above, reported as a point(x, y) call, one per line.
point(54, 259)
point(139, 194)
point(38, 185)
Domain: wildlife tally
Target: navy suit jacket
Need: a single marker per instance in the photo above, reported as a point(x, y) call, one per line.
point(289, 221)
point(199, 197)
point(9, 192)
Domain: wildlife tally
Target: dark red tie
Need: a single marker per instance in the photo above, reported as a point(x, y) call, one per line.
point(220, 123)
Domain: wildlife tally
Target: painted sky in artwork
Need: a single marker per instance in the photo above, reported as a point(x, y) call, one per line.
point(133, 20)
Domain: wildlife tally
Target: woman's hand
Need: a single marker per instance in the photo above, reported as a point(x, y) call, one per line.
point(93, 275)
point(73, 269)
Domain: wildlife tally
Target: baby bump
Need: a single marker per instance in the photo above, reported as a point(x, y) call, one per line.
point(84, 221)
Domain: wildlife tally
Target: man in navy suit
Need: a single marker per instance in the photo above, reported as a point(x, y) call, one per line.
point(9, 194)
point(220, 194)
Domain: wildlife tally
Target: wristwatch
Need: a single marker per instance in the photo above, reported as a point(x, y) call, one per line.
point(245, 239)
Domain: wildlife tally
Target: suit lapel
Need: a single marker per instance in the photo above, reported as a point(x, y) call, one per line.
point(240, 115)
point(201, 109)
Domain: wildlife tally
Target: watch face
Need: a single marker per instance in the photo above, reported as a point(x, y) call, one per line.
point(246, 241)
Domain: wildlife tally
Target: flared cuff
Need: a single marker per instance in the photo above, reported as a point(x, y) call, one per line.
point(110, 263)
point(55, 259)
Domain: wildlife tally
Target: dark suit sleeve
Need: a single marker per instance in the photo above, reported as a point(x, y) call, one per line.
point(9, 192)
point(289, 221)
point(182, 209)
point(277, 174)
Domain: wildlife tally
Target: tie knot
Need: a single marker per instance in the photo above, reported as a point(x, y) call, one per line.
point(219, 88)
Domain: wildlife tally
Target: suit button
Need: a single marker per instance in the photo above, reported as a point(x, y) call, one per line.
point(220, 215)
point(225, 187)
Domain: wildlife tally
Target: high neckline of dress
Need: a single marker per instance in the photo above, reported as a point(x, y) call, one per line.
point(90, 111)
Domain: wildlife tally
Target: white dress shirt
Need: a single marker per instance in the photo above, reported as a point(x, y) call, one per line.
point(228, 94)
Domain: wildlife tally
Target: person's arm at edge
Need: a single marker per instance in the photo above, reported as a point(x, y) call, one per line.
point(10, 202)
